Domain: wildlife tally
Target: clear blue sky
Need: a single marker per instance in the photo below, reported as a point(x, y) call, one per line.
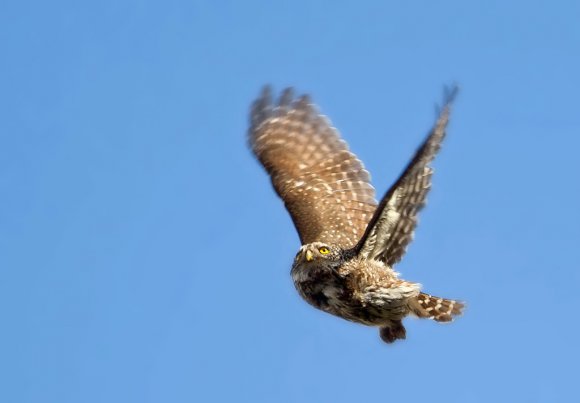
point(145, 258)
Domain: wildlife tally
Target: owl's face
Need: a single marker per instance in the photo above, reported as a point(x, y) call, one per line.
point(318, 252)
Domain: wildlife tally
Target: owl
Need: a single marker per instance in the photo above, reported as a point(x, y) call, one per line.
point(350, 243)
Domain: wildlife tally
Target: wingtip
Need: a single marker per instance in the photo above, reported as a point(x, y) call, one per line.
point(261, 108)
point(265, 97)
point(289, 100)
point(266, 91)
point(286, 97)
point(304, 101)
point(450, 93)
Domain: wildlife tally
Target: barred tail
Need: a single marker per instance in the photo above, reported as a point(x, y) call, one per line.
point(439, 309)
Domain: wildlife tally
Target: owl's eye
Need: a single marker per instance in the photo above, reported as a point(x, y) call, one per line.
point(324, 250)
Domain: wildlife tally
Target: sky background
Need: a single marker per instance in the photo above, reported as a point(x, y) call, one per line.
point(145, 258)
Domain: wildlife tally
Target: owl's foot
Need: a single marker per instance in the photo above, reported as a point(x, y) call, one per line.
point(392, 332)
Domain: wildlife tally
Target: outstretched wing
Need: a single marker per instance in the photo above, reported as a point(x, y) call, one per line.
point(391, 228)
point(323, 185)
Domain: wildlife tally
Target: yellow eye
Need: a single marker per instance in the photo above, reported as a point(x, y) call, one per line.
point(324, 250)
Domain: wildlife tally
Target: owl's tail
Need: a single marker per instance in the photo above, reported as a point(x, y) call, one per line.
point(439, 309)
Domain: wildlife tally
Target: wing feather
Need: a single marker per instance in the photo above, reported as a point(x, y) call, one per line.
point(393, 223)
point(325, 188)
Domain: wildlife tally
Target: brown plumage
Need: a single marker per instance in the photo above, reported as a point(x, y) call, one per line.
point(324, 186)
point(349, 243)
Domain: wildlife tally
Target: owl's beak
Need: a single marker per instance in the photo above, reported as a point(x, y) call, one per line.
point(309, 256)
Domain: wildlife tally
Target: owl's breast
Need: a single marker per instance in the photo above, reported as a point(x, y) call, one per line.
point(352, 293)
point(319, 286)
point(330, 292)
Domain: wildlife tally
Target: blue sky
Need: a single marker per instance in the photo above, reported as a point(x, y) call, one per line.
point(145, 258)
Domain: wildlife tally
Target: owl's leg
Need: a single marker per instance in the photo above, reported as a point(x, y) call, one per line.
point(393, 331)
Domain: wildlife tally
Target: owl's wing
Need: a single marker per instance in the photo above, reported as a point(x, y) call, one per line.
point(391, 227)
point(323, 185)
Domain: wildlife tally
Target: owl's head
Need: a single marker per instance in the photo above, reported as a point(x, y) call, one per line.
point(319, 252)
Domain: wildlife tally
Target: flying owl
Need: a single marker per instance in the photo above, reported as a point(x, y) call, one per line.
point(349, 242)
